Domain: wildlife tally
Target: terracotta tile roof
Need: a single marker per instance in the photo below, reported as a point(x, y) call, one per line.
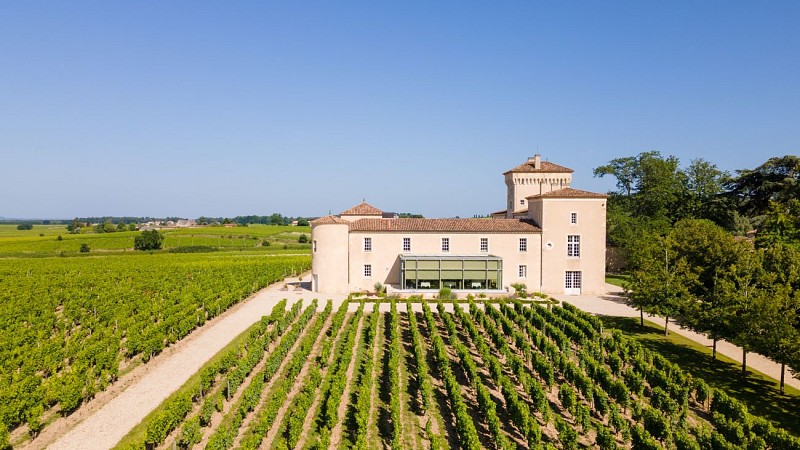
point(329, 220)
point(446, 225)
point(546, 167)
point(502, 211)
point(362, 209)
point(569, 193)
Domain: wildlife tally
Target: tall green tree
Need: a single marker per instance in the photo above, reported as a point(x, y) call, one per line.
point(704, 194)
point(707, 249)
point(660, 283)
point(778, 179)
point(781, 340)
point(781, 225)
point(740, 288)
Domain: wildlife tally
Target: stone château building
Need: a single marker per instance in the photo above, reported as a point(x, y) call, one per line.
point(550, 237)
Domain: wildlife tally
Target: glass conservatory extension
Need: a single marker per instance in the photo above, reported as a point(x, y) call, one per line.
point(454, 272)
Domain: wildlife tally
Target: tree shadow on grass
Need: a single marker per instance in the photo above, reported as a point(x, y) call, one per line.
point(759, 393)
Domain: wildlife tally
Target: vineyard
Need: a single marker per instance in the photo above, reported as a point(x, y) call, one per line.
point(52, 241)
point(499, 376)
point(71, 326)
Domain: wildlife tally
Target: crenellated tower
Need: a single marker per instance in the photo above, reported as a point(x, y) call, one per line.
point(533, 177)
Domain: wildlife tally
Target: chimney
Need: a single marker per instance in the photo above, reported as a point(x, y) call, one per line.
point(537, 161)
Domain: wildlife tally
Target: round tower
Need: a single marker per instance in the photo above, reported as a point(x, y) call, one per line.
point(329, 255)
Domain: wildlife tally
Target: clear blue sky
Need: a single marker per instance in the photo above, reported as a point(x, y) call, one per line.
point(226, 108)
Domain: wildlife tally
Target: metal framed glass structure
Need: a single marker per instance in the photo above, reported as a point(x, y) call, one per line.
point(454, 272)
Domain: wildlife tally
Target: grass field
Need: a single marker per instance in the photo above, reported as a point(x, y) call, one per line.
point(617, 279)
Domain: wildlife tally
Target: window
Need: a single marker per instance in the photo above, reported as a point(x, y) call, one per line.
point(484, 245)
point(367, 270)
point(573, 218)
point(522, 202)
point(367, 244)
point(445, 244)
point(523, 244)
point(315, 245)
point(406, 244)
point(574, 246)
point(523, 271)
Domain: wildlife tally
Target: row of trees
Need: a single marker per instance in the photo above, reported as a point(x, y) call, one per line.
point(681, 231)
point(723, 287)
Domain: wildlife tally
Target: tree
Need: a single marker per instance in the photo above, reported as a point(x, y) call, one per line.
point(148, 240)
point(624, 170)
point(778, 179)
point(74, 226)
point(781, 225)
point(707, 249)
point(739, 287)
point(302, 239)
point(704, 194)
point(781, 309)
point(25, 226)
point(106, 227)
point(660, 283)
point(650, 191)
point(302, 222)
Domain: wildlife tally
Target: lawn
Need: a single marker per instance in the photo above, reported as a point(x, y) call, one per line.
point(759, 392)
point(617, 279)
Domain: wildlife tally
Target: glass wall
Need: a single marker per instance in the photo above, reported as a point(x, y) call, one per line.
point(456, 272)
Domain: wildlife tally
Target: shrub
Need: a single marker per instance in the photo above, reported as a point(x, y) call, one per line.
point(446, 293)
point(25, 226)
point(85, 248)
point(302, 239)
point(521, 290)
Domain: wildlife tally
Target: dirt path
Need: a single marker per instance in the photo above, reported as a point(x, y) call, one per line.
point(308, 422)
point(372, 427)
point(103, 421)
point(299, 381)
point(336, 432)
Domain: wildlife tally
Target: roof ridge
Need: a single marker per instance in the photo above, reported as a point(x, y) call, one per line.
point(569, 192)
point(545, 167)
point(362, 209)
point(465, 225)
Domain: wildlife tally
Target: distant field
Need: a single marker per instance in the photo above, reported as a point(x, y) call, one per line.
point(7, 230)
point(268, 238)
